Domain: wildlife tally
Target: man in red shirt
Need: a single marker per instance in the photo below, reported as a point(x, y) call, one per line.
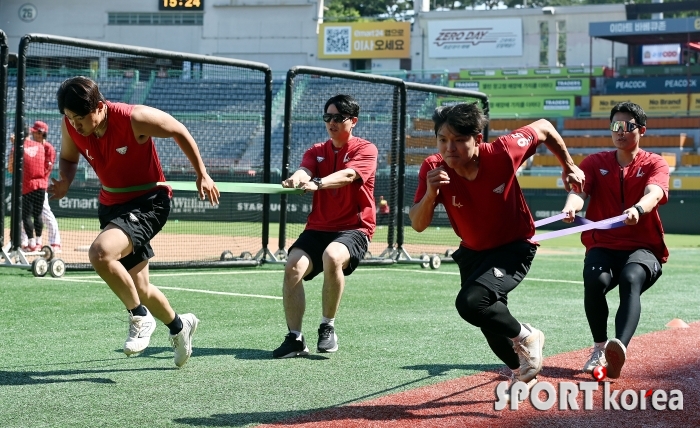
point(341, 174)
point(39, 133)
point(476, 183)
point(116, 140)
point(627, 180)
point(33, 191)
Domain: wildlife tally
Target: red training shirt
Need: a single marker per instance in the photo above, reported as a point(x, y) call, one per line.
point(613, 189)
point(117, 158)
point(350, 207)
point(489, 211)
point(33, 166)
point(49, 159)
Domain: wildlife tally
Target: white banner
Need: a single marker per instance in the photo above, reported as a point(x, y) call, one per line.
point(661, 54)
point(475, 38)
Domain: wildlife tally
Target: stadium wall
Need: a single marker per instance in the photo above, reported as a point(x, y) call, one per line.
point(284, 33)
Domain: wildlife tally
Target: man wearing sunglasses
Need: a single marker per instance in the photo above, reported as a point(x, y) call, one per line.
point(627, 180)
point(340, 172)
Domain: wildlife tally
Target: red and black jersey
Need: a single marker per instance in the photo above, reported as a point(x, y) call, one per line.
point(613, 189)
point(490, 210)
point(117, 157)
point(350, 207)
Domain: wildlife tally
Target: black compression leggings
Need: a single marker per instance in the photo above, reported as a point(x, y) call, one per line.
point(479, 306)
point(597, 284)
point(32, 204)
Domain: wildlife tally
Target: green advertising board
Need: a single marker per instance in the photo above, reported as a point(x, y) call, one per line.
point(525, 107)
point(527, 87)
point(659, 70)
point(545, 72)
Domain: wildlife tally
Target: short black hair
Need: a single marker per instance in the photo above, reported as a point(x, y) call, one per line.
point(635, 110)
point(345, 104)
point(79, 95)
point(463, 118)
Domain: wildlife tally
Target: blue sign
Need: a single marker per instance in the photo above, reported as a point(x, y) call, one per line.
point(644, 27)
point(652, 85)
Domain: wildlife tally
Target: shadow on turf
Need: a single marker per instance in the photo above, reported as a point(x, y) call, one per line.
point(239, 353)
point(37, 377)
point(372, 412)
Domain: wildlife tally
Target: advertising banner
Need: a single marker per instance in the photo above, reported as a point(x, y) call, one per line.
point(661, 54)
point(547, 72)
point(526, 87)
point(341, 40)
point(471, 38)
point(524, 107)
point(651, 85)
point(656, 103)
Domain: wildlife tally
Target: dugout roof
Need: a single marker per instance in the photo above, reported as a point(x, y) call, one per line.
point(648, 31)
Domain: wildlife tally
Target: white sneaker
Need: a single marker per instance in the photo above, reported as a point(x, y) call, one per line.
point(596, 359)
point(140, 330)
point(615, 354)
point(529, 352)
point(182, 342)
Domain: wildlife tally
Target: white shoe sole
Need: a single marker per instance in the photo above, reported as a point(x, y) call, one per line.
point(615, 355)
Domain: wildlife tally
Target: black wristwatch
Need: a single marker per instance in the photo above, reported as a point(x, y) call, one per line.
point(317, 182)
point(639, 209)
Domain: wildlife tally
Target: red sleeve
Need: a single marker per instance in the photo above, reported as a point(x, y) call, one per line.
point(49, 157)
point(364, 161)
point(427, 165)
point(588, 169)
point(659, 176)
point(309, 160)
point(520, 144)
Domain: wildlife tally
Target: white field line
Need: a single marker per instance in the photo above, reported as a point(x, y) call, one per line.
point(193, 290)
point(436, 272)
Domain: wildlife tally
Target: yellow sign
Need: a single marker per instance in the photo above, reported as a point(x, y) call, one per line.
point(555, 182)
point(659, 103)
point(695, 102)
point(363, 40)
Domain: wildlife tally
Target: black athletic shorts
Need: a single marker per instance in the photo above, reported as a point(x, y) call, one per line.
point(607, 260)
point(499, 269)
point(314, 243)
point(141, 219)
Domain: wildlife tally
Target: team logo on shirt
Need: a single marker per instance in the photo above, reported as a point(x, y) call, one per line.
point(319, 159)
point(122, 150)
point(640, 173)
point(455, 203)
point(604, 171)
point(87, 154)
point(497, 273)
point(500, 188)
point(346, 159)
point(31, 151)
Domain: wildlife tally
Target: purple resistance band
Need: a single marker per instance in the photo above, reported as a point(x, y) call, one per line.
point(584, 224)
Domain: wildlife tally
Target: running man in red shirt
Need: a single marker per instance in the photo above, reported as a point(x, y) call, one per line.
point(341, 174)
point(116, 140)
point(627, 180)
point(476, 183)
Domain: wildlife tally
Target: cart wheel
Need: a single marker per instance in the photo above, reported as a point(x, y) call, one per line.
point(247, 255)
point(40, 266)
point(426, 261)
point(226, 255)
point(449, 253)
point(435, 261)
point(368, 255)
point(57, 268)
point(281, 254)
point(48, 252)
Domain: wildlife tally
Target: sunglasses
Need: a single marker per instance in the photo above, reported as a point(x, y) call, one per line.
point(624, 125)
point(337, 118)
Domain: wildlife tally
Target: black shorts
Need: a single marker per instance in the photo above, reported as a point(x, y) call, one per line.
point(499, 269)
point(141, 219)
point(314, 243)
point(613, 261)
